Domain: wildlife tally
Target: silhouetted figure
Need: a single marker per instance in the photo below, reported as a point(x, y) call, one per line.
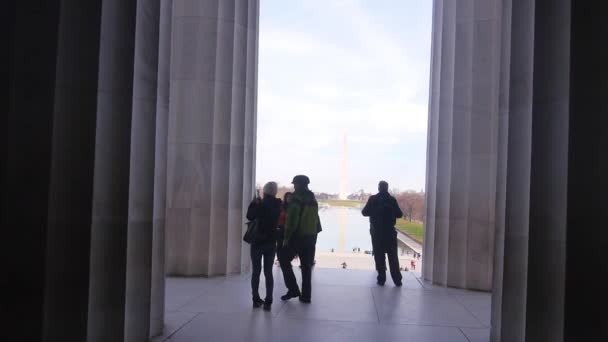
point(266, 210)
point(301, 230)
point(383, 211)
point(344, 264)
point(282, 219)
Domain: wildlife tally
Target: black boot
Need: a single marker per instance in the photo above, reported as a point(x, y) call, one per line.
point(305, 300)
point(290, 295)
point(267, 305)
point(257, 302)
point(381, 279)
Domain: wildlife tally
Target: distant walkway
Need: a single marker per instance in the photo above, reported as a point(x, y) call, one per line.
point(411, 243)
point(355, 261)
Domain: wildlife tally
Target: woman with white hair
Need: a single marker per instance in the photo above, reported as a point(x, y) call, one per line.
point(266, 211)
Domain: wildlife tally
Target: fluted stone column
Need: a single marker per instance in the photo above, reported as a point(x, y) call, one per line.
point(462, 148)
point(251, 105)
point(157, 308)
point(84, 168)
point(530, 297)
point(211, 134)
point(27, 133)
point(71, 174)
point(112, 164)
point(532, 173)
point(586, 317)
point(142, 172)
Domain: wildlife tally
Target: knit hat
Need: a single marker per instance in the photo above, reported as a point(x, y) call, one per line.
point(270, 188)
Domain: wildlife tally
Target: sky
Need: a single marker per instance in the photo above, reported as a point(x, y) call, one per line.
point(335, 68)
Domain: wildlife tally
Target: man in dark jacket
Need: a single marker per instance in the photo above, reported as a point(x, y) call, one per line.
point(266, 210)
point(383, 212)
point(301, 231)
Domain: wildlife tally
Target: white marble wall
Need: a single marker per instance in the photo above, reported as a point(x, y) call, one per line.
point(211, 134)
point(462, 144)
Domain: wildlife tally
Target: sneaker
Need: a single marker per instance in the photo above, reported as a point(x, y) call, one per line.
point(290, 295)
point(257, 302)
point(267, 306)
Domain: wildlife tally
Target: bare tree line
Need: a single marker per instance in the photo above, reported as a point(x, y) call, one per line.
point(411, 202)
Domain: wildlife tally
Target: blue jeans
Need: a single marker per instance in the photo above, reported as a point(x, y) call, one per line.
point(259, 250)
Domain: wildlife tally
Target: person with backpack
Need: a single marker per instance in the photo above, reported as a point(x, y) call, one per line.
point(301, 229)
point(266, 211)
point(383, 212)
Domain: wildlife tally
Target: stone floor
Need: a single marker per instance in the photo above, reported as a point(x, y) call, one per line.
point(347, 305)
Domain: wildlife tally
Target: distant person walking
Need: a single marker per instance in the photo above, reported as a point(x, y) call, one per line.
point(383, 212)
point(266, 210)
point(301, 230)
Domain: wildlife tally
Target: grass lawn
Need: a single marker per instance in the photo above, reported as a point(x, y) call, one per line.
point(413, 229)
point(342, 203)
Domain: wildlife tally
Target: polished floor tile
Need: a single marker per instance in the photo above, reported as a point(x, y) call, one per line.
point(259, 327)
point(173, 322)
point(477, 335)
point(422, 308)
point(347, 306)
point(480, 305)
point(348, 303)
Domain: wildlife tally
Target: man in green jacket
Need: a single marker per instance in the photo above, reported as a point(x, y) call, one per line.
point(301, 230)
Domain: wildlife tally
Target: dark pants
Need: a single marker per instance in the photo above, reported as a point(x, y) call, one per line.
point(385, 242)
point(304, 247)
point(280, 236)
point(258, 251)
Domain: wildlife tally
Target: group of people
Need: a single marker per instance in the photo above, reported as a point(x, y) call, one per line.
point(289, 228)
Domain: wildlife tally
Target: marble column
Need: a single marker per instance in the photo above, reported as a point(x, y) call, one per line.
point(27, 133)
point(525, 163)
point(112, 164)
point(548, 250)
point(528, 303)
point(462, 148)
point(586, 318)
point(68, 232)
point(80, 176)
point(211, 134)
point(142, 172)
point(157, 306)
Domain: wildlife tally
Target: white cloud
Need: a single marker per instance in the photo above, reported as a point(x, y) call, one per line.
point(316, 85)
